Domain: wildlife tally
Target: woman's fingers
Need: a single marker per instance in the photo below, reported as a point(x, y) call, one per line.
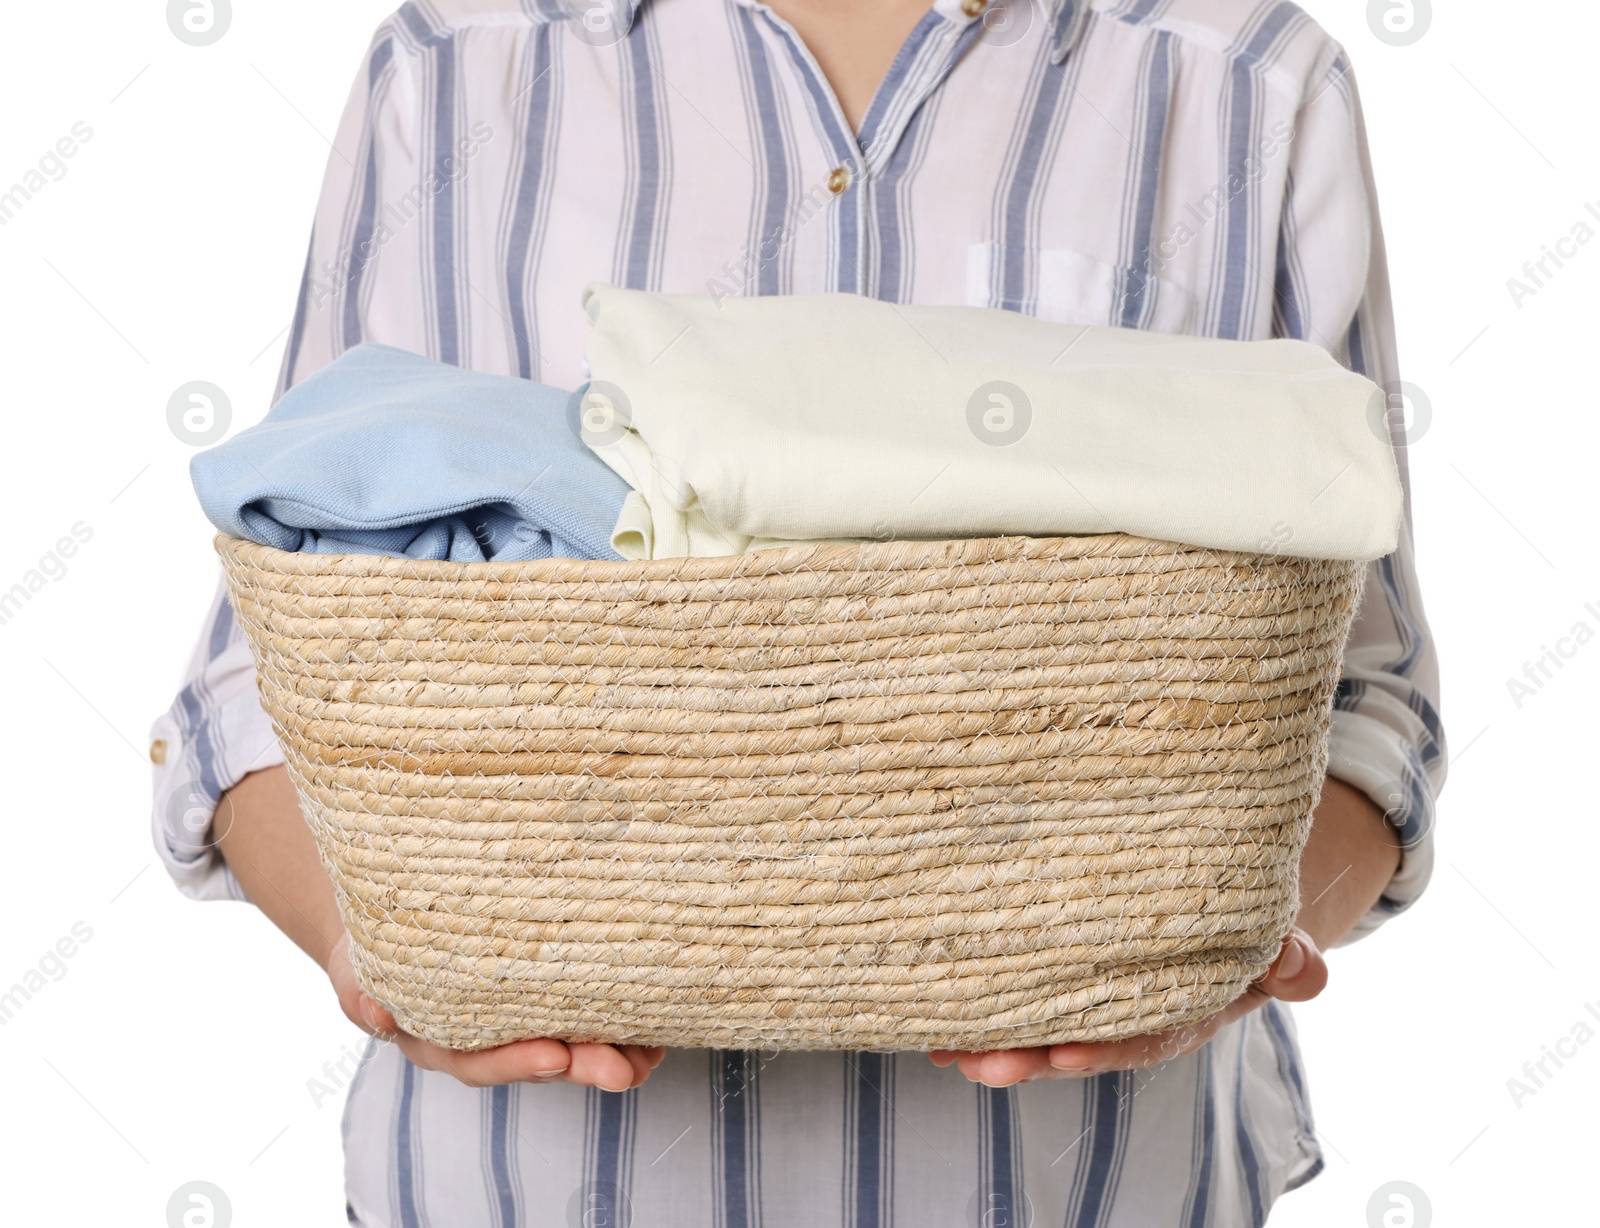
point(650, 1054)
point(609, 1067)
point(1135, 1053)
point(1004, 1067)
point(522, 1061)
point(602, 1066)
point(1299, 973)
point(376, 1016)
point(612, 1067)
point(644, 1058)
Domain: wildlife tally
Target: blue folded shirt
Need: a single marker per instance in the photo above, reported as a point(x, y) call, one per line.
point(385, 452)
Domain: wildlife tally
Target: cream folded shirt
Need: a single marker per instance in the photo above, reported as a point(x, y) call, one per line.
point(750, 422)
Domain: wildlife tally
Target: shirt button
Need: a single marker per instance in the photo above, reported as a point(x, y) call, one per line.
point(839, 180)
point(158, 751)
point(973, 7)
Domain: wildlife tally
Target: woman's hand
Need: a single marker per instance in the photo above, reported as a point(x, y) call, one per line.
point(615, 1068)
point(269, 848)
point(1347, 862)
point(1298, 974)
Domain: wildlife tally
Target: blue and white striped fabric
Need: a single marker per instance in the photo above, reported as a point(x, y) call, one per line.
point(1191, 166)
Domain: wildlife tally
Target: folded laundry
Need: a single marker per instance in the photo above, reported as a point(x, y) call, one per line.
point(750, 422)
point(387, 452)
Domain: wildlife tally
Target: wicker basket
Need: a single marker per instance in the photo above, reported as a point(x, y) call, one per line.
point(902, 795)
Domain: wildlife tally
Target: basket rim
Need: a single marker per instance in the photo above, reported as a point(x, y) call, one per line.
point(901, 554)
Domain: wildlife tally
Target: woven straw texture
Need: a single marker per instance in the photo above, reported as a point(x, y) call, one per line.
point(901, 795)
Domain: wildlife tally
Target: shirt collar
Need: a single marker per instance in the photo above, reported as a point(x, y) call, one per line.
point(1064, 18)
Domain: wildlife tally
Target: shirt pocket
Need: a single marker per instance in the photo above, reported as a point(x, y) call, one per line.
point(1072, 287)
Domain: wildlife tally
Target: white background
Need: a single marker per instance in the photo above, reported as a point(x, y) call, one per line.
point(179, 1043)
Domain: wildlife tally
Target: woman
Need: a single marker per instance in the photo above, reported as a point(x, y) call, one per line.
point(1192, 166)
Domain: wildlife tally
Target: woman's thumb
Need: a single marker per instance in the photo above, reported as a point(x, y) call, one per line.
point(1299, 973)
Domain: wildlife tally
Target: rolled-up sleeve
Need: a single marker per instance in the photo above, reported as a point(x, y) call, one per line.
point(359, 284)
point(1332, 287)
point(214, 735)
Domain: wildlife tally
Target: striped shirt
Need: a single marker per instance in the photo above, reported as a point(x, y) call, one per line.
point(1188, 166)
